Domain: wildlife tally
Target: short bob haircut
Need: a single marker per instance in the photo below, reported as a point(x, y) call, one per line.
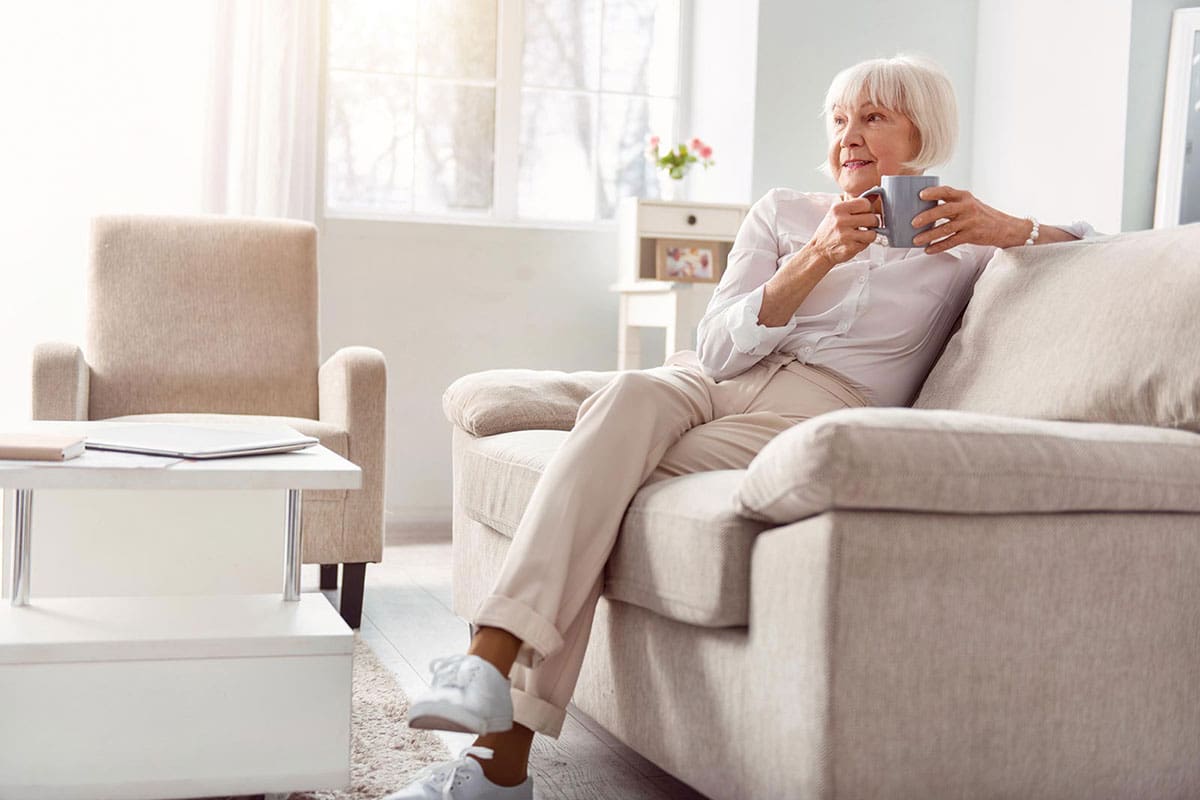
point(913, 85)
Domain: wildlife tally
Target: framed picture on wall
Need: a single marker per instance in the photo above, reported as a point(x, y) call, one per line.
point(1177, 200)
point(689, 260)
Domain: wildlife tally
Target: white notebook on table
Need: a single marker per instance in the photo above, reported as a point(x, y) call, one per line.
point(197, 441)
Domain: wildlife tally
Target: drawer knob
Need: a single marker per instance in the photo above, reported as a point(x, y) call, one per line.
point(691, 219)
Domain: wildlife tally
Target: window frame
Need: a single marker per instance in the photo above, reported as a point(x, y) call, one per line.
point(510, 15)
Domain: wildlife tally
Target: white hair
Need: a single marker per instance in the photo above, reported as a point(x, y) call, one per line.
point(911, 84)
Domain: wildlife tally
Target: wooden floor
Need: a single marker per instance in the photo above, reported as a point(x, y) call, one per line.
point(407, 621)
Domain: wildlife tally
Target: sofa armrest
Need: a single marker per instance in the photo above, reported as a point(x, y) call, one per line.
point(502, 400)
point(963, 462)
point(61, 382)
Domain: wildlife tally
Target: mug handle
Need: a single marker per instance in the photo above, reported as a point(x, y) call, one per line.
point(882, 228)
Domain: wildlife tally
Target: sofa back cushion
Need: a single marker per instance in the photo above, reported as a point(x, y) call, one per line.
point(1100, 330)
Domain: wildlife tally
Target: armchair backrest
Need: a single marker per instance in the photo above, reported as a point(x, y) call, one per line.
point(202, 313)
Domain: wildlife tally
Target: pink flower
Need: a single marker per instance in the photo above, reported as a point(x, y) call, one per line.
point(696, 144)
point(705, 151)
point(654, 140)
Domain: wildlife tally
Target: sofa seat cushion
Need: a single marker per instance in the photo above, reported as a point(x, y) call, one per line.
point(330, 436)
point(923, 460)
point(682, 552)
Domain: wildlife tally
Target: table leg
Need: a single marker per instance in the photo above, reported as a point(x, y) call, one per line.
point(291, 555)
point(21, 562)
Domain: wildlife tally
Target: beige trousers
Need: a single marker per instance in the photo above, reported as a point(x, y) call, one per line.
point(644, 426)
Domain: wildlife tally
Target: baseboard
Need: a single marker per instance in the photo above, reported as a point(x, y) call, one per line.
point(428, 523)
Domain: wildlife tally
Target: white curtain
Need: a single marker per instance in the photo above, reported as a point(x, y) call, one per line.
point(139, 106)
point(260, 147)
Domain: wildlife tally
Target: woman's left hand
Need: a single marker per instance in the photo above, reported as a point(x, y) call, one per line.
point(968, 221)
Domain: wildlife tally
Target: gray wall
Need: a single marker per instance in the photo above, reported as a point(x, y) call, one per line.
point(802, 45)
point(1149, 41)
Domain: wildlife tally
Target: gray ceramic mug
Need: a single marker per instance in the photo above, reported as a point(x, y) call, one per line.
point(901, 202)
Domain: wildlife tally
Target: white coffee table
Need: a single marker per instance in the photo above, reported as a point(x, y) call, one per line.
point(173, 696)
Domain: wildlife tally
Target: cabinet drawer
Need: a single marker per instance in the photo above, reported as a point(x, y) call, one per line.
point(684, 221)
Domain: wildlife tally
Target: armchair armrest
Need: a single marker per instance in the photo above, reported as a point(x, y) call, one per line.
point(61, 382)
point(963, 462)
point(502, 400)
point(352, 392)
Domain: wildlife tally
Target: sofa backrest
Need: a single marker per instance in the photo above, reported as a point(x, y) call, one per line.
point(1099, 330)
point(202, 313)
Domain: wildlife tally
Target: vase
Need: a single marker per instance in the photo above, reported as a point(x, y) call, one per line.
point(669, 189)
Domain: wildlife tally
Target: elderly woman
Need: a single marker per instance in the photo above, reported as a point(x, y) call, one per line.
point(812, 314)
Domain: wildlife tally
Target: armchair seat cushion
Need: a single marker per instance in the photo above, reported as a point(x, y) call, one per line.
point(330, 436)
point(961, 462)
point(683, 551)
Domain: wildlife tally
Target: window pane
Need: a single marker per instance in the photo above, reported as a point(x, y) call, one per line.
point(454, 146)
point(641, 46)
point(555, 179)
point(625, 124)
point(370, 151)
point(373, 35)
point(458, 38)
point(562, 42)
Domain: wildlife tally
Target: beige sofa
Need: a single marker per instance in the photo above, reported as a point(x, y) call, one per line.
point(213, 319)
point(994, 593)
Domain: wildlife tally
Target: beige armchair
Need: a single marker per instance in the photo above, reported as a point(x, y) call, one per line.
point(211, 318)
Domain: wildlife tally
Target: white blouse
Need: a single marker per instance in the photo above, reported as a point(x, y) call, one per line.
point(879, 320)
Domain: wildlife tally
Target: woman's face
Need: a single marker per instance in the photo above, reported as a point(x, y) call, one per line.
point(870, 141)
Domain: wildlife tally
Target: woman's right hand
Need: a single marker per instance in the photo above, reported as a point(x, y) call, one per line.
point(839, 237)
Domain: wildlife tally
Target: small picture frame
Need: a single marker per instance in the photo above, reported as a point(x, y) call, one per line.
point(688, 260)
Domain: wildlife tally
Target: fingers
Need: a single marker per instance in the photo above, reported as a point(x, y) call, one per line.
point(944, 211)
point(944, 244)
point(947, 193)
point(938, 232)
point(863, 221)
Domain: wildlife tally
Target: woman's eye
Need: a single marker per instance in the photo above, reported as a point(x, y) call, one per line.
point(874, 116)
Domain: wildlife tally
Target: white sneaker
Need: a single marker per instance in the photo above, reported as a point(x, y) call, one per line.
point(467, 694)
point(461, 779)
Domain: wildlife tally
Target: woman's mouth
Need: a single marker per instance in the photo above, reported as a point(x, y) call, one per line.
point(856, 164)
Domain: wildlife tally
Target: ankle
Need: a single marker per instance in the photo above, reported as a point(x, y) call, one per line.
point(503, 774)
point(496, 646)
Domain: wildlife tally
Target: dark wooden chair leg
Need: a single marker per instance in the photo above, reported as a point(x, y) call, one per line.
point(353, 578)
point(329, 576)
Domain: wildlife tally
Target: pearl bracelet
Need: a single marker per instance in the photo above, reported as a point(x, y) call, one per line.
point(1033, 234)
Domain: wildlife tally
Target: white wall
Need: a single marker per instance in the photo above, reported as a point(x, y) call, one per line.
point(803, 45)
point(1050, 122)
point(722, 80)
point(441, 301)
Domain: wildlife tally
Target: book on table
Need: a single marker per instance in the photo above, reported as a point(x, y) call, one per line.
point(40, 446)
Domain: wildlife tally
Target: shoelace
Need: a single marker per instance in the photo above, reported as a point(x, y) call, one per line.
point(451, 768)
point(446, 671)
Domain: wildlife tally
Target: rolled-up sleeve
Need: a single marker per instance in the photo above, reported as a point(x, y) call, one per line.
point(729, 338)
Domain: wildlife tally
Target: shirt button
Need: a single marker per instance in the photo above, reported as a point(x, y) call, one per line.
point(862, 278)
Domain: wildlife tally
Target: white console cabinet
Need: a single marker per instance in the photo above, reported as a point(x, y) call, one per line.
point(645, 301)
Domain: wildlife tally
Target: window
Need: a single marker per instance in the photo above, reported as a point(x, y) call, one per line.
point(506, 110)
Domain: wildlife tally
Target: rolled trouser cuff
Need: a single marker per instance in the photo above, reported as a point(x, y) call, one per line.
point(539, 638)
point(536, 714)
